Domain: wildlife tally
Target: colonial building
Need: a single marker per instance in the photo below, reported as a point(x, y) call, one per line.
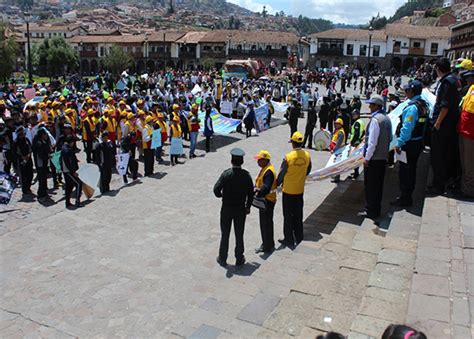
point(462, 40)
point(398, 46)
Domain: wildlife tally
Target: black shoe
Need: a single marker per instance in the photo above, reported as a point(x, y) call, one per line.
point(79, 204)
point(336, 181)
point(366, 214)
point(285, 243)
point(68, 204)
point(400, 202)
point(259, 250)
point(221, 262)
point(240, 262)
point(268, 251)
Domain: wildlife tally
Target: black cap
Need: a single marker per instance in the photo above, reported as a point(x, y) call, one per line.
point(414, 84)
point(237, 152)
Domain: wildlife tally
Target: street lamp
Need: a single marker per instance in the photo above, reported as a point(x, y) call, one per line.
point(371, 30)
point(145, 50)
point(391, 62)
point(80, 59)
point(164, 49)
point(27, 19)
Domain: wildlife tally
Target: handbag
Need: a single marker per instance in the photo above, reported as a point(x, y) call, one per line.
point(260, 203)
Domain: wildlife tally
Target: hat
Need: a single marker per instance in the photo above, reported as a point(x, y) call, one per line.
point(339, 121)
point(237, 152)
point(262, 155)
point(130, 116)
point(122, 102)
point(297, 137)
point(175, 107)
point(413, 84)
point(393, 103)
point(375, 99)
point(105, 134)
point(466, 64)
point(90, 111)
point(148, 118)
point(20, 129)
point(109, 99)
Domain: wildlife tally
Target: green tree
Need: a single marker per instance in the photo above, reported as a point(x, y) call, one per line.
point(378, 22)
point(231, 22)
point(8, 54)
point(117, 60)
point(54, 56)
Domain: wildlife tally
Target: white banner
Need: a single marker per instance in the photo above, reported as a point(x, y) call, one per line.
point(280, 107)
point(122, 163)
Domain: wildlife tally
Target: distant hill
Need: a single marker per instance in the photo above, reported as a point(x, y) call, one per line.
point(408, 8)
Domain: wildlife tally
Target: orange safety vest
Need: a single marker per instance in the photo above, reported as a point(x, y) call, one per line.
point(272, 196)
point(176, 131)
point(147, 144)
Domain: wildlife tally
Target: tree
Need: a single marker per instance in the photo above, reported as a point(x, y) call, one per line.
point(378, 22)
point(8, 54)
point(231, 22)
point(264, 11)
point(117, 60)
point(54, 56)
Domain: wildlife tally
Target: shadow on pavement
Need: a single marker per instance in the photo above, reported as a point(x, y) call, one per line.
point(217, 141)
point(245, 270)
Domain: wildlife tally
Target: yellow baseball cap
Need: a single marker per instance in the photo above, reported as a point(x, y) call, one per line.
point(339, 121)
point(297, 137)
point(466, 64)
point(262, 155)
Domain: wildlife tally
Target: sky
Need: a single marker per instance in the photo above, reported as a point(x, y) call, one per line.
point(338, 11)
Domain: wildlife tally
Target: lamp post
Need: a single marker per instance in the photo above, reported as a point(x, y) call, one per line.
point(27, 19)
point(368, 58)
point(391, 62)
point(80, 59)
point(164, 50)
point(228, 45)
point(145, 50)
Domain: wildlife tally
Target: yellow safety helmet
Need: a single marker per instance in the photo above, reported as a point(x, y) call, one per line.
point(297, 137)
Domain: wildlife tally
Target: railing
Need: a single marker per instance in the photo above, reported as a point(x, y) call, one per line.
point(330, 51)
point(188, 55)
point(416, 51)
point(213, 54)
point(159, 55)
point(88, 54)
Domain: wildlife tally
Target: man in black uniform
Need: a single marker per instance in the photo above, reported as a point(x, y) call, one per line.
point(105, 159)
point(235, 187)
point(310, 124)
point(23, 150)
point(295, 111)
point(69, 166)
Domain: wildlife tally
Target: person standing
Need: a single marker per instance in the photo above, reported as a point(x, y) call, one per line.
point(89, 134)
point(292, 176)
point(444, 138)
point(148, 152)
point(357, 134)
point(41, 150)
point(294, 114)
point(249, 119)
point(193, 119)
point(176, 141)
point(338, 141)
point(69, 166)
point(378, 135)
point(208, 128)
point(265, 187)
point(22, 149)
point(236, 189)
point(410, 132)
point(105, 160)
point(311, 121)
point(466, 137)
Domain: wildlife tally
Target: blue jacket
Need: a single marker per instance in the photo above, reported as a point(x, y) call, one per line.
point(409, 119)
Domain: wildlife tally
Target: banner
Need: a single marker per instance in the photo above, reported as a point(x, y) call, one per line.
point(348, 158)
point(56, 160)
point(33, 102)
point(7, 186)
point(226, 107)
point(156, 139)
point(261, 116)
point(220, 123)
point(121, 85)
point(280, 107)
point(122, 163)
point(176, 147)
point(90, 176)
point(196, 89)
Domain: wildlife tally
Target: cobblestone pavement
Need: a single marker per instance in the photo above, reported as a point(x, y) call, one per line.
point(140, 262)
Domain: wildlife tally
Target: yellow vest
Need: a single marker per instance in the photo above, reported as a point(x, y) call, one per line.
point(176, 131)
point(298, 161)
point(335, 136)
point(111, 124)
point(259, 182)
point(147, 144)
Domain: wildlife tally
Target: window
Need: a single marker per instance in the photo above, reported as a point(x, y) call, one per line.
point(434, 48)
point(254, 47)
point(102, 51)
point(363, 50)
point(207, 48)
point(239, 47)
point(283, 48)
point(268, 48)
point(396, 46)
point(376, 51)
point(416, 44)
point(350, 49)
point(65, 35)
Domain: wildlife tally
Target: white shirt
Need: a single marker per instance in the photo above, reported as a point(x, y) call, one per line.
point(374, 131)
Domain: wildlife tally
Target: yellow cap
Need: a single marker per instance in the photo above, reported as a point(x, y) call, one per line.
point(466, 64)
point(175, 107)
point(56, 103)
point(109, 99)
point(62, 98)
point(148, 118)
point(297, 137)
point(122, 102)
point(90, 111)
point(339, 121)
point(130, 116)
point(262, 155)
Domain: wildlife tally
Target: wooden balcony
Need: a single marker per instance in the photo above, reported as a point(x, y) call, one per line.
point(213, 54)
point(331, 51)
point(277, 53)
point(159, 55)
point(416, 51)
point(88, 54)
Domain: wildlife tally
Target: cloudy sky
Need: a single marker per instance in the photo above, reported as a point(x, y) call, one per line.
point(338, 11)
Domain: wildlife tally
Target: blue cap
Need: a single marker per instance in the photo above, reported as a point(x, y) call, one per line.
point(413, 84)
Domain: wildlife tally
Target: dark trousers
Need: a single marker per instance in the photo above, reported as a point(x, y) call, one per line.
point(42, 175)
point(88, 149)
point(293, 218)
point(105, 177)
point(293, 127)
point(374, 175)
point(308, 136)
point(266, 226)
point(26, 175)
point(229, 215)
point(444, 157)
point(148, 160)
point(71, 182)
point(208, 144)
point(407, 172)
point(323, 123)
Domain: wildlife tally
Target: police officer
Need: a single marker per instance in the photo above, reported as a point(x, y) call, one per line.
point(310, 124)
point(410, 131)
point(22, 149)
point(378, 135)
point(357, 133)
point(69, 166)
point(236, 189)
point(293, 171)
point(265, 187)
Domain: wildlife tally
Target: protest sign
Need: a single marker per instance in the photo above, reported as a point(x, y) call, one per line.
point(122, 163)
point(156, 139)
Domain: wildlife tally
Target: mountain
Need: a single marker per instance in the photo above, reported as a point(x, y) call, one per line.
point(409, 7)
